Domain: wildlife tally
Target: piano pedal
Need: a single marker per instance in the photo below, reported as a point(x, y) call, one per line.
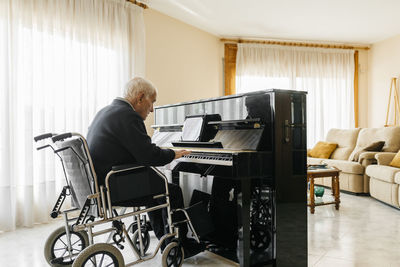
point(231, 194)
point(211, 247)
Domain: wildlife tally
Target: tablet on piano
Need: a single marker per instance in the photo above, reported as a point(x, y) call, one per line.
point(197, 133)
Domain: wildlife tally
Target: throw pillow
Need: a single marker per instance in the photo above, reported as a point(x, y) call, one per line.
point(322, 150)
point(396, 160)
point(376, 147)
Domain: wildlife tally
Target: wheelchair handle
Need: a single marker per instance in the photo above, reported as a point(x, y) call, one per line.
point(61, 137)
point(42, 136)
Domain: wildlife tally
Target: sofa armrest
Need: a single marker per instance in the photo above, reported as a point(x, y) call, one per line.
point(368, 155)
point(367, 158)
point(384, 158)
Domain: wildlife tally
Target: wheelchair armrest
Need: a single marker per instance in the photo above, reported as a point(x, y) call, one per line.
point(127, 167)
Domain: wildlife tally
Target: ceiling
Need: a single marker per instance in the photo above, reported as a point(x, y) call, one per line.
point(341, 21)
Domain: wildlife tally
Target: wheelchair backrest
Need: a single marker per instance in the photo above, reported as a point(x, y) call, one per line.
point(78, 171)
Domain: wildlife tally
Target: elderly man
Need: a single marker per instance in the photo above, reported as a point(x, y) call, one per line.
point(118, 136)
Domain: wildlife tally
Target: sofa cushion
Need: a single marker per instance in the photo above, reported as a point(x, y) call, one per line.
point(322, 150)
point(367, 136)
point(346, 140)
point(382, 172)
point(347, 166)
point(376, 146)
point(384, 158)
point(343, 165)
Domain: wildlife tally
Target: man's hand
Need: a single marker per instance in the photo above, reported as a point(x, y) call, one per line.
point(180, 153)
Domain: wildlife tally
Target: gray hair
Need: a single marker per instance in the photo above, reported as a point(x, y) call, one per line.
point(139, 85)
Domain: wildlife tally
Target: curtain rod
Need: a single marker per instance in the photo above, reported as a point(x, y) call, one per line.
point(138, 4)
point(293, 44)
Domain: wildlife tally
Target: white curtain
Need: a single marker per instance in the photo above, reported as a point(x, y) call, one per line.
point(326, 74)
point(61, 61)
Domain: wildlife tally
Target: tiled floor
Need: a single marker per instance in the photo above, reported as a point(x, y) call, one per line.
point(364, 232)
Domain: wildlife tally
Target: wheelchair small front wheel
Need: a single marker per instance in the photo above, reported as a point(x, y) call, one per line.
point(145, 240)
point(173, 255)
point(98, 255)
point(56, 247)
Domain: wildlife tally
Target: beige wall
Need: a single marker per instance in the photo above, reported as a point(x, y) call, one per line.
point(384, 63)
point(184, 63)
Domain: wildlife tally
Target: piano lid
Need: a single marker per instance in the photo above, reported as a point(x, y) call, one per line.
point(255, 105)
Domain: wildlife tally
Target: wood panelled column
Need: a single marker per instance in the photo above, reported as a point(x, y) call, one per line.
point(230, 68)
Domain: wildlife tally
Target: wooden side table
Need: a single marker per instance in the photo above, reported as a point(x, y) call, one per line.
point(321, 173)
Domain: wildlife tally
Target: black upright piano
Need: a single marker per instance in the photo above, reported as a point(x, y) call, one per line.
point(254, 145)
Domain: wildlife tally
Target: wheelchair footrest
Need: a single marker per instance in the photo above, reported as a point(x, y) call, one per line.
point(84, 212)
point(56, 209)
point(57, 261)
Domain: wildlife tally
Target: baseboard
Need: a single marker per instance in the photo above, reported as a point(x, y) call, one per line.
point(356, 194)
point(386, 203)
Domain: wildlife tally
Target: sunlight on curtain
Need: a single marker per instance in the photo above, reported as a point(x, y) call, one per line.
point(326, 74)
point(61, 61)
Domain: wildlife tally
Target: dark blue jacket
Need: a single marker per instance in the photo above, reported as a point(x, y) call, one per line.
point(118, 136)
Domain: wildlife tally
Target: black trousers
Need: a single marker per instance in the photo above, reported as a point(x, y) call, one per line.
point(158, 218)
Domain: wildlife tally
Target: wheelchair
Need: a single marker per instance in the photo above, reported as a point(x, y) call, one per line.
point(73, 244)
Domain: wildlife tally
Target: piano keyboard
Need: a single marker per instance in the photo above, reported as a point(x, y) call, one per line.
point(208, 158)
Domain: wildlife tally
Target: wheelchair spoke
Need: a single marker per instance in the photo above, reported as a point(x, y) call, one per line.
point(62, 242)
point(101, 260)
point(56, 249)
point(172, 257)
point(72, 244)
point(62, 255)
point(61, 251)
point(93, 261)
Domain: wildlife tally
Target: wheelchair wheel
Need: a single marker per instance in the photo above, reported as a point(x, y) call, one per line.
point(145, 240)
point(132, 227)
point(260, 238)
point(99, 255)
point(173, 255)
point(55, 247)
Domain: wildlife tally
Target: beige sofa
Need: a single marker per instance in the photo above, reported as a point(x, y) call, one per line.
point(350, 141)
point(385, 180)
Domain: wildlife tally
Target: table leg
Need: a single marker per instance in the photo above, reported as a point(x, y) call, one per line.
point(333, 185)
point(337, 192)
point(312, 196)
